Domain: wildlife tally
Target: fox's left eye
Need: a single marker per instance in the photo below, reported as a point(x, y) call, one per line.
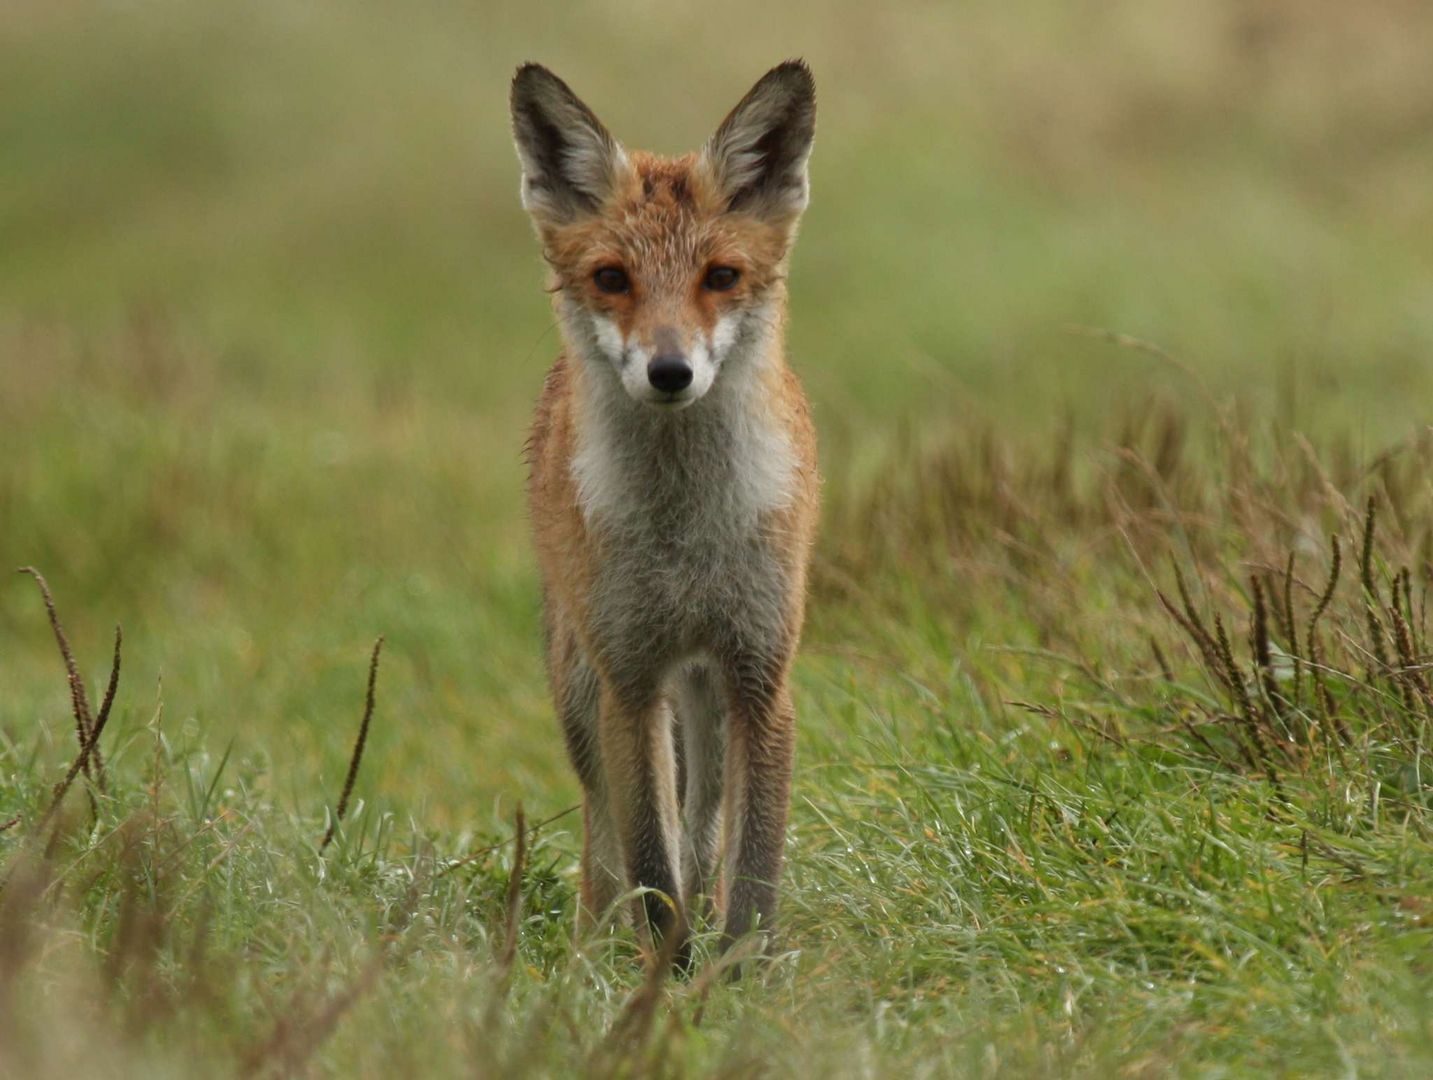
point(721, 278)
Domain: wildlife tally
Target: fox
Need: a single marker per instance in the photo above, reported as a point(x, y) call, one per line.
point(673, 494)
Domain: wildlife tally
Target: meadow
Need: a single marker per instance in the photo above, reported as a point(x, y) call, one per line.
point(1115, 697)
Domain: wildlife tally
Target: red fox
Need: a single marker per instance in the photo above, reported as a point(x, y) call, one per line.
point(673, 494)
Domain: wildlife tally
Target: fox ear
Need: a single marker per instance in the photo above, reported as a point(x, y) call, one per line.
point(759, 153)
point(569, 160)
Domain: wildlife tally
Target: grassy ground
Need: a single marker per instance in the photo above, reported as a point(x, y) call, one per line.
point(270, 323)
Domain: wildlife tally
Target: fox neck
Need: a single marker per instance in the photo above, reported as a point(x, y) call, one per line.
point(719, 464)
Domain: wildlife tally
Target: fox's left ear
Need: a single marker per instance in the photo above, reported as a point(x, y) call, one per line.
point(758, 155)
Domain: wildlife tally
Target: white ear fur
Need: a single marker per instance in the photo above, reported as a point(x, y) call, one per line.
point(569, 160)
point(759, 153)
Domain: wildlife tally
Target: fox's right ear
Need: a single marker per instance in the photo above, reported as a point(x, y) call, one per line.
point(569, 160)
point(759, 153)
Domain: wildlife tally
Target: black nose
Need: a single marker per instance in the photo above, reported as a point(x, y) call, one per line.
point(670, 373)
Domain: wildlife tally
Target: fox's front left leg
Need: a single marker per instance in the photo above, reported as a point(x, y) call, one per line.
point(761, 750)
point(701, 716)
point(639, 763)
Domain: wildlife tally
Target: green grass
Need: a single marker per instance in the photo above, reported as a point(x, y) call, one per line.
point(270, 324)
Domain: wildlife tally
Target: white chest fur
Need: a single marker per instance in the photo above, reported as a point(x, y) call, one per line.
point(675, 504)
point(710, 470)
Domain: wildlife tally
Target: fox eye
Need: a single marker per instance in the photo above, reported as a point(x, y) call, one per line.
point(721, 278)
point(612, 279)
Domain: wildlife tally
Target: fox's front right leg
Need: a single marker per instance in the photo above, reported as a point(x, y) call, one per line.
point(576, 689)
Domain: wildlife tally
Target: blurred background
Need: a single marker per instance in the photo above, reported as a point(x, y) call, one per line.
point(272, 319)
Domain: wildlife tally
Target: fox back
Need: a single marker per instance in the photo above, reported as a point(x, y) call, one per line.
point(673, 493)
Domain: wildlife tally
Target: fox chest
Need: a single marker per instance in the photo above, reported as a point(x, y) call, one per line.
point(669, 590)
point(686, 555)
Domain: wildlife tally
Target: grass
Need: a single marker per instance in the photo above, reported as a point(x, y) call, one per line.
point(270, 323)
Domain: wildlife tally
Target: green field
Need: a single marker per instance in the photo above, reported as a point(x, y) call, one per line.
point(1085, 294)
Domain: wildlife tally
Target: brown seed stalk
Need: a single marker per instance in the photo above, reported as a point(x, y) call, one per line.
point(92, 742)
point(514, 897)
point(1334, 728)
point(1293, 631)
point(79, 700)
point(1371, 600)
point(357, 758)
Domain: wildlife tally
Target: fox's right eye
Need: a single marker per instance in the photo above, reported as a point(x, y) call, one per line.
point(612, 279)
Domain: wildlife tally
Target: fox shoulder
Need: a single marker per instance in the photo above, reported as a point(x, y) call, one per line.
point(550, 421)
point(795, 414)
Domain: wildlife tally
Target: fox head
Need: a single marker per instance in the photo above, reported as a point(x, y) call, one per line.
point(666, 269)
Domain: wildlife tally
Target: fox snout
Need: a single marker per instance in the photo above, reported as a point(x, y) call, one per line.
point(671, 378)
point(661, 368)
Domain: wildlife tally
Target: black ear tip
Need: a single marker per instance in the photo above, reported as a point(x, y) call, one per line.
point(529, 78)
point(794, 73)
point(791, 80)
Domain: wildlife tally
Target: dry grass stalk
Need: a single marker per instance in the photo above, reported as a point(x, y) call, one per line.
point(1291, 628)
point(91, 744)
point(630, 1032)
point(631, 1035)
point(507, 954)
point(698, 992)
point(79, 700)
point(1241, 698)
point(514, 897)
point(357, 758)
point(1263, 658)
point(1370, 591)
point(1412, 684)
point(1165, 671)
point(1335, 732)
